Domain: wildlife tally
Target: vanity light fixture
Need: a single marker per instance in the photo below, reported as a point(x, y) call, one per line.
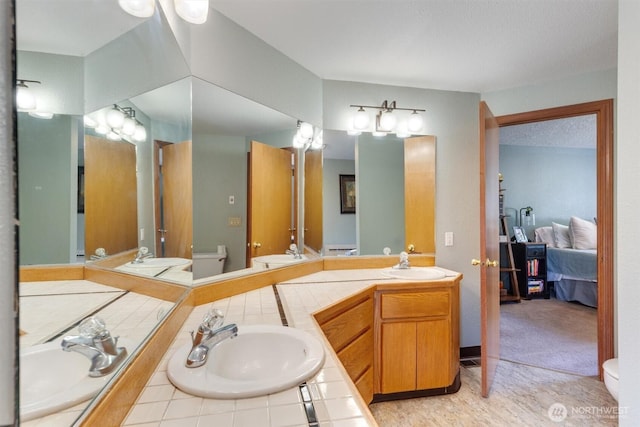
point(387, 120)
point(25, 98)
point(118, 123)
point(307, 136)
point(139, 8)
point(192, 11)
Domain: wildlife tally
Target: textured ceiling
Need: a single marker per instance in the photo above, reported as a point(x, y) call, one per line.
point(574, 132)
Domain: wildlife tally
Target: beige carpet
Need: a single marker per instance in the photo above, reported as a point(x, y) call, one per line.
point(550, 334)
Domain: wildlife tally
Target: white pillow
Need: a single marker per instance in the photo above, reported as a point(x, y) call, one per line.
point(561, 235)
point(545, 235)
point(584, 234)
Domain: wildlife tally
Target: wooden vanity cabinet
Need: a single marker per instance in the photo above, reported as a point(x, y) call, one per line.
point(417, 339)
point(348, 326)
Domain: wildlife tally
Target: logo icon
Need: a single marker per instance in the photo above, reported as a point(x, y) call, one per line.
point(557, 412)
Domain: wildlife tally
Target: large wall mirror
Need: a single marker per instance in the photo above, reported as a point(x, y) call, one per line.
point(379, 166)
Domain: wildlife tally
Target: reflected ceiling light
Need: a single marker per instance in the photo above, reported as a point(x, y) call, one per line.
point(25, 98)
point(140, 133)
point(89, 122)
point(139, 8)
point(129, 126)
point(41, 114)
point(102, 129)
point(114, 136)
point(386, 118)
point(115, 117)
point(193, 11)
point(353, 132)
point(307, 136)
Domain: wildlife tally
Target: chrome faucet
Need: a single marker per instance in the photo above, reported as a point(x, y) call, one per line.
point(209, 334)
point(404, 261)
point(293, 250)
point(143, 253)
point(96, 343)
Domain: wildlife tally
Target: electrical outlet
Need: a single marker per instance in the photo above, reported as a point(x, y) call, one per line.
point(448, 238)
point(235, 221)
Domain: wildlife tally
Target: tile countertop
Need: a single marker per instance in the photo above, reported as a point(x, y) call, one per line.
point(335, 399)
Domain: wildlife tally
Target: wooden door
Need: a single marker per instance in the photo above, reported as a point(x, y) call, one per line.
point(177, 199)
point(110, 196)
point(489, 247)
point(270, 205)
point(397, 357)
point(433, 354)
point(420, 194)
point(313, 199)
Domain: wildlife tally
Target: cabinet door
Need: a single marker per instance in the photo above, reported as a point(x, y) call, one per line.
point(433, 353)
point(398, 357)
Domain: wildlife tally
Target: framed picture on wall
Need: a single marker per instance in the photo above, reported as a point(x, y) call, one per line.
point(80, 189)
point(347, 194)
point(519, 234)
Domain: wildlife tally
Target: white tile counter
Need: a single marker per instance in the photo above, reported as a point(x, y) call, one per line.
point(335, 399)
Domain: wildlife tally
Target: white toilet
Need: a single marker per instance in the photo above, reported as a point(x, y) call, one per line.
point(208, 264)
point(610, 368)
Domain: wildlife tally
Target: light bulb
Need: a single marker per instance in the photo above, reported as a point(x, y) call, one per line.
point(140, 133)
point(298, 141)
point(415, 122)
point(306, 130)
point(102, 129)
point(25, 98)
point(90, 122)
point(128, 126)
point(193, 11)
point(115, 118)
point(317, 141)
point(139, 8)
point(113, 136)
point(378, 133)
point(387, 121)
point(360, 120)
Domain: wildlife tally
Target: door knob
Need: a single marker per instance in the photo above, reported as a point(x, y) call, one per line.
point(490, 263)
point(411, 248)
point(476, 262)
point(257, 245)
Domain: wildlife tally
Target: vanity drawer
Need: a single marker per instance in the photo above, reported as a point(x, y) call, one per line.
point(414, 304)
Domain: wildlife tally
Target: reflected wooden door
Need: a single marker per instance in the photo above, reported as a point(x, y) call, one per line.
point(270, 200)
point(177, 199)
point(489, 248)
point(420, 194)
point(313, 199)
point(110, 196)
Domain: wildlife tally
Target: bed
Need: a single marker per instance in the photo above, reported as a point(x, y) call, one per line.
point(572, 263)
point(574, 273)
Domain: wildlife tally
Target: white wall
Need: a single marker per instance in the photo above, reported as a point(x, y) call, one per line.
point(627, 206)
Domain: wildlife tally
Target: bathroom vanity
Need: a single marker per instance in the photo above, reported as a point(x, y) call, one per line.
point(398, 340)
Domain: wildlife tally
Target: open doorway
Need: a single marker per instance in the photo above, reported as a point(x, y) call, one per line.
point(603, 111)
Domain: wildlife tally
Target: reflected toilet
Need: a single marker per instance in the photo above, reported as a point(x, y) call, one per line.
point(208, 263)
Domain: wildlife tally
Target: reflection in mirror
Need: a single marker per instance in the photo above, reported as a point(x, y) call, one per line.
point(378, 164)
point(224, 124)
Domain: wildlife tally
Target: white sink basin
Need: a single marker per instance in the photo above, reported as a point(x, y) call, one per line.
point(275, 260)
point(262, 359)
point(414, 273)
point(52, 379)
point(158, 263)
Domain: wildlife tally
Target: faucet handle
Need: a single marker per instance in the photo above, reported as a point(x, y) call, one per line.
point(92, 326)
point(213, 319)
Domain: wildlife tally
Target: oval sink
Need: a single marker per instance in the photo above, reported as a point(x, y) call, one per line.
point(414, 273)
point(262, 359)
point(52, 379)
point(158, 263)
point(276, 260)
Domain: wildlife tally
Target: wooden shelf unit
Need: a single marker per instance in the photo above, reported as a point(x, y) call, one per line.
point(510, 268)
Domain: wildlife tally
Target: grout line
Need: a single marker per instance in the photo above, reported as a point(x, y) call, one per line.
point(74, 325)
point(307, 401)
